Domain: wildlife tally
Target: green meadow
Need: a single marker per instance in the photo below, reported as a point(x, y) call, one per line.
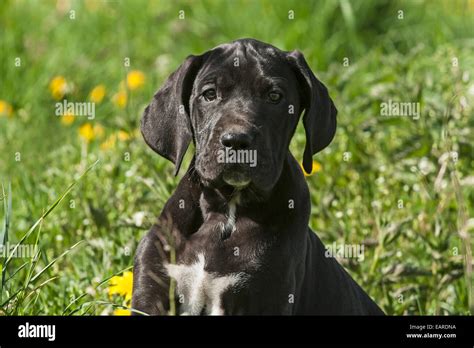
point(77, 193)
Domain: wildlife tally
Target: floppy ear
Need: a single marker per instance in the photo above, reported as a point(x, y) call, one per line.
point(165, 123)
point(319, 119)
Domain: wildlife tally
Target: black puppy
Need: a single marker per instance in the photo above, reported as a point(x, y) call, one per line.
point(234, 237)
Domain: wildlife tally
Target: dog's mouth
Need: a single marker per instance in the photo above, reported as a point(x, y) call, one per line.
point(236, 179)
point(234, 176)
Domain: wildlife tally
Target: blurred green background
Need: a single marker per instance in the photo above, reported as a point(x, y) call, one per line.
point(401, 187)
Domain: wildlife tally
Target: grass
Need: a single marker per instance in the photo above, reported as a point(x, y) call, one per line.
point(401, 187)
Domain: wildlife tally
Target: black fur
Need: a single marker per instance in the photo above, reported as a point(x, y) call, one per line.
point(281, 257)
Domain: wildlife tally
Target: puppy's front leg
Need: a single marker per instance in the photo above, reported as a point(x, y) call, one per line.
point(151, 284)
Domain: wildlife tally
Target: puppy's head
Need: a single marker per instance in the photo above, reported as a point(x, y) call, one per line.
point(240, 104)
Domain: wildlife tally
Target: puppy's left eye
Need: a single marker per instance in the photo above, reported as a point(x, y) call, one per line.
point(275, 96)
point(210, 94)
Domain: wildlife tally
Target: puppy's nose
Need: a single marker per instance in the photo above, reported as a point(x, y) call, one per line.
point(236, 140)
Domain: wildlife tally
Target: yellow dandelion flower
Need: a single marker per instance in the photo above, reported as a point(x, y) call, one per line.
point(122, 312)
point(470, 5)
point(98, 131)
point(93, 5)
point(58, 87)
point(123, 136)
point(67, 119)
point(109, 143)
point(86, 132)
point(97, 94)
point(135, 79)
point(316, 168)
point(122, 285)
point(120, 99)
point(5, 109)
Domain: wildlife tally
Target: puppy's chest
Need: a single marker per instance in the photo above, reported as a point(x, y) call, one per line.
point(219, 259)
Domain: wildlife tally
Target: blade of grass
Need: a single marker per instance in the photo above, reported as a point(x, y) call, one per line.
point(54, 261)
point(16, 271)
point(48, 211)
point(7, 208)
point(21, 292)
point(21, 296)
point(33, 261)
point(2, 305)
point(96, 287)
point(117, 306)
point(40, 286)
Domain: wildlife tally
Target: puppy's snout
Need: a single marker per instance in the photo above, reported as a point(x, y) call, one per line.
point(236, 140)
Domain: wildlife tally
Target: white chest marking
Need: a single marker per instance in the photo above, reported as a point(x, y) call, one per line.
point(229, 226)
point(198, 289)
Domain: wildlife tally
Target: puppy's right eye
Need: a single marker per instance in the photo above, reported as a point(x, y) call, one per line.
point(210, 94)
point(275, 96)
